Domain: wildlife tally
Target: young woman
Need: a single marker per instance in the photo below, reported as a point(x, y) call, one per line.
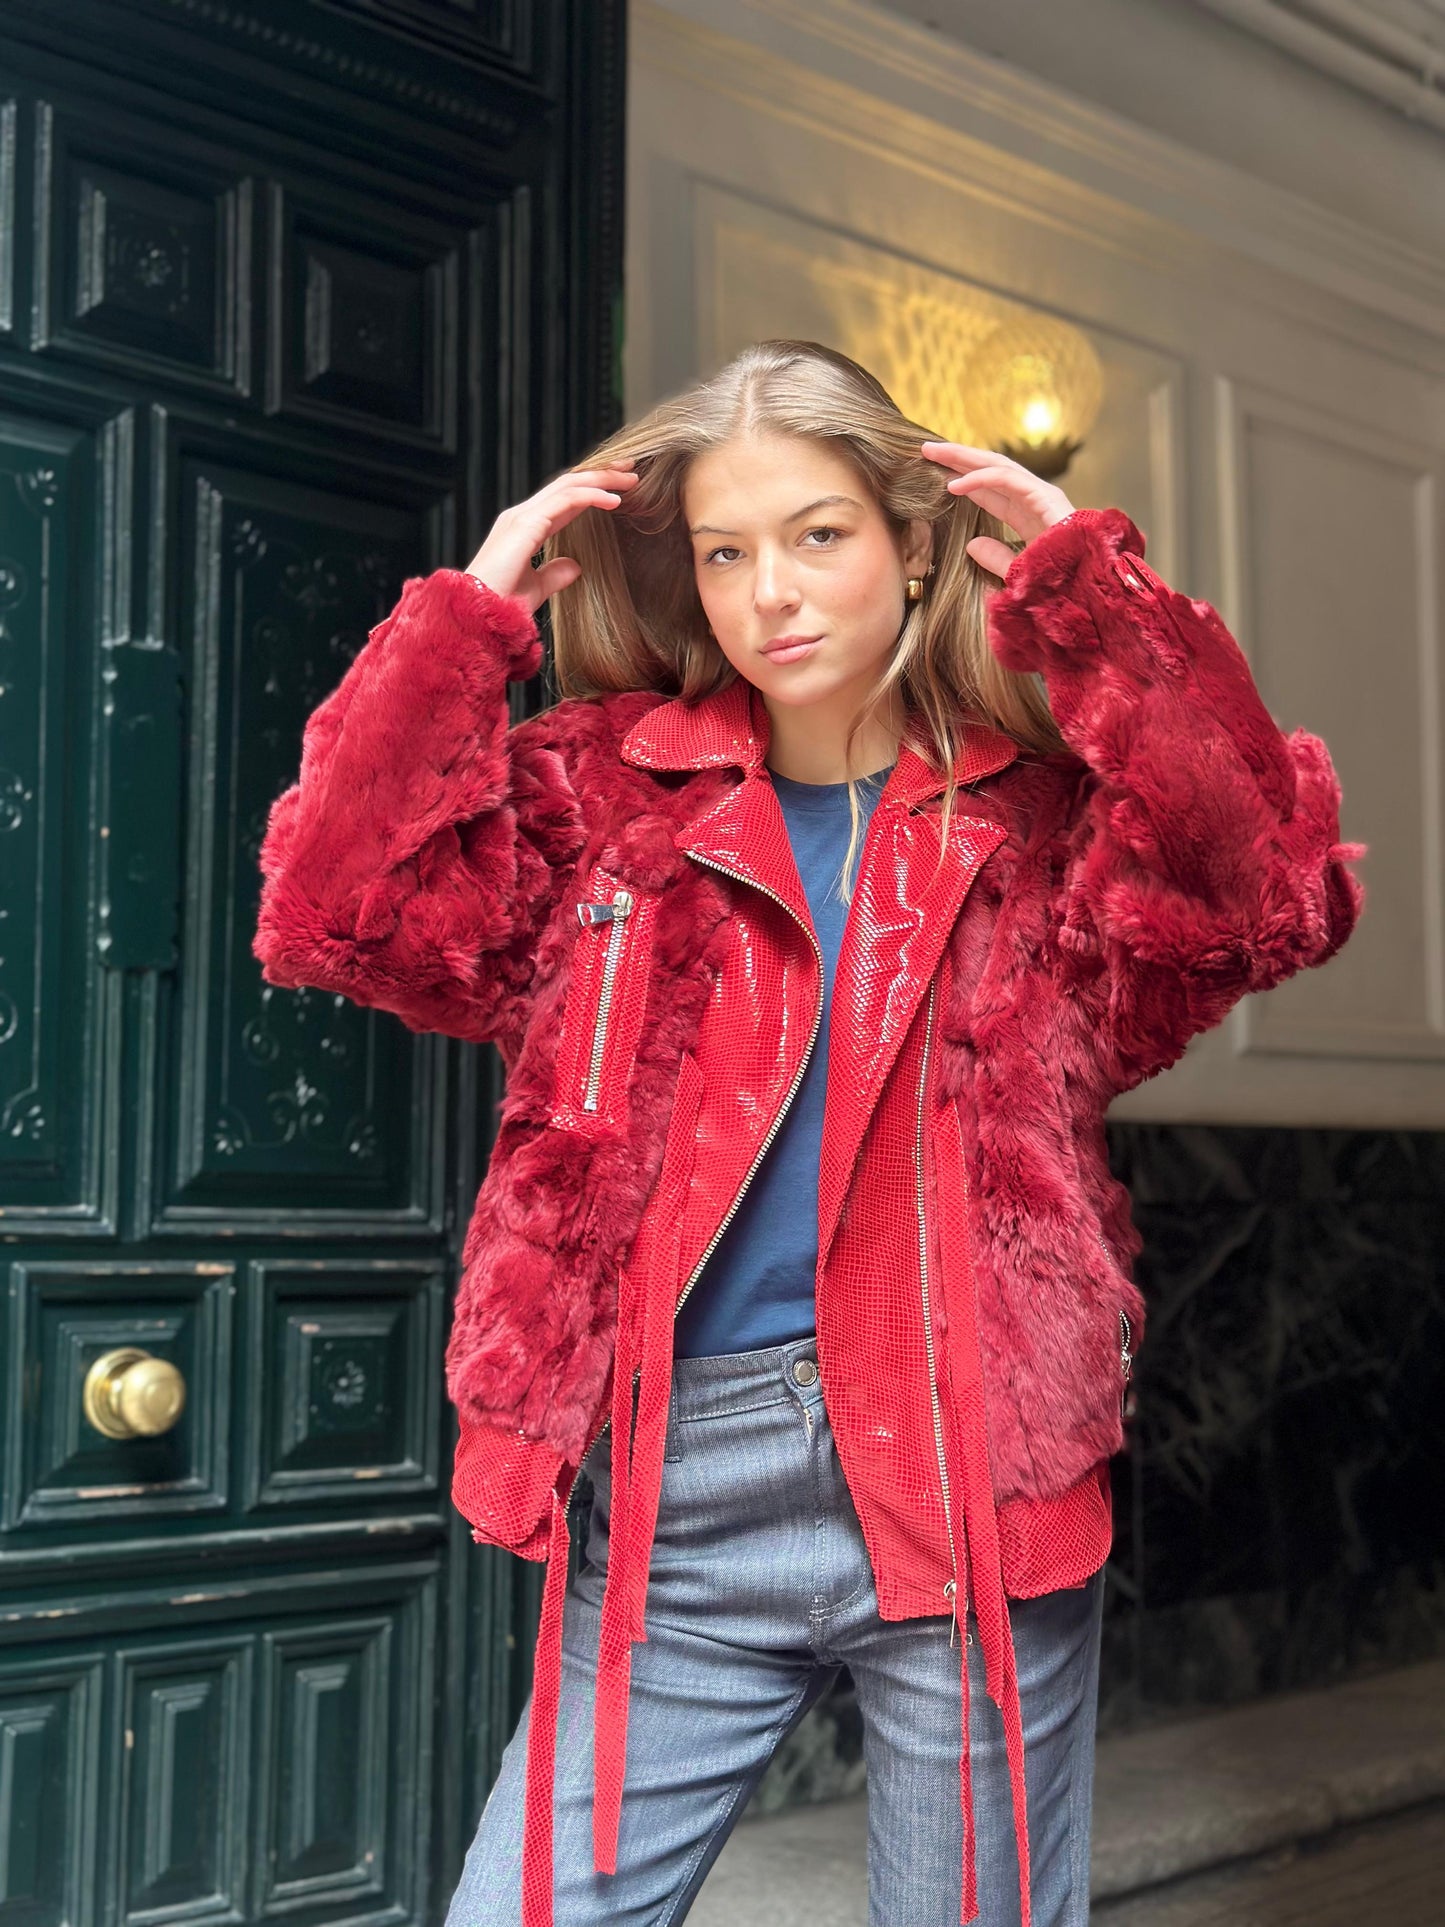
point(817, 925)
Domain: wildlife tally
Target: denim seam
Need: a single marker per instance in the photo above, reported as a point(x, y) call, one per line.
point(820, 1617)
point(742, 1792)
point(825, 1613)
point(730, 1411)
point(824, 1618)
point(816, 1609)
point(1079, 1810)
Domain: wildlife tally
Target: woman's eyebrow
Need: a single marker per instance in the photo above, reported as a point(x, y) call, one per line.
point(823, 501)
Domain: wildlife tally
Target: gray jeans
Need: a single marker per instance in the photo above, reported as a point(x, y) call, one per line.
point(760, 1589)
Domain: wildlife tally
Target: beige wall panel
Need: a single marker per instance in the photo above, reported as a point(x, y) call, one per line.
point(1274, 417)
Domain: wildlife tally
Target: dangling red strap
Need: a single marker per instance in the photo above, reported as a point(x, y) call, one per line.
point(631, 1530)
point(965, 1795)
point(542, 1731)
point(980, 1518)
point(614, 1643)
point(996, 1641)
point(653, 1399)
point(645, 1331)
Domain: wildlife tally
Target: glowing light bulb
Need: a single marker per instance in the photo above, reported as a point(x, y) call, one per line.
point(1033, 388)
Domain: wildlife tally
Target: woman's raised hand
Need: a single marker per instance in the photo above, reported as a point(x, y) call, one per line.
point(504, 561)
point(1003, 488)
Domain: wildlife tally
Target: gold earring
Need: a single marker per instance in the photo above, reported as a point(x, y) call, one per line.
point(914, 590)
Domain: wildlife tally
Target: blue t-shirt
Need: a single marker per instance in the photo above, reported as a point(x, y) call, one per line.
point(756, 1288)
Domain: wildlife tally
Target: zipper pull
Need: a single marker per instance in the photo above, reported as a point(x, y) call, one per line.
point(592, 913)
point(1127, 1403)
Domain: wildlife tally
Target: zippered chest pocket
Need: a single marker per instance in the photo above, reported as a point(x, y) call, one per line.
point(606, 999)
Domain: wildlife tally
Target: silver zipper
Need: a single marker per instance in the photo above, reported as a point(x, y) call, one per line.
point(615, 913)
point(951, 1589)
point(1126, 1358)
point(773, 1128)
point(1126, 1337)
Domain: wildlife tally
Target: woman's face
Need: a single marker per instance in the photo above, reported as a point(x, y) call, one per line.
point(787, 540)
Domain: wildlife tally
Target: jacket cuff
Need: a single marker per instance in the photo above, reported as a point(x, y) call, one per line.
point(502, 1484)
point(506, 619)
point(1051, 559)
point(1057, 583)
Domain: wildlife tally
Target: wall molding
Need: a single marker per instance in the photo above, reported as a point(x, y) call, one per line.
point(1390, 59)
point(1054, 157)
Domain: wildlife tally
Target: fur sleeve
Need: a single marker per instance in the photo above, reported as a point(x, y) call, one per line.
point(1203, 860)
point(413, 864)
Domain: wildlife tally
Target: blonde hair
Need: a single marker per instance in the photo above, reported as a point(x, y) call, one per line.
point(634, 620)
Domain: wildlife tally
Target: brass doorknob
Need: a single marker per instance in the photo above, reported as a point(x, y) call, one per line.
point(132, 1394)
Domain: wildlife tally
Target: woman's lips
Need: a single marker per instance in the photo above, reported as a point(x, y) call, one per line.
point(791, 652)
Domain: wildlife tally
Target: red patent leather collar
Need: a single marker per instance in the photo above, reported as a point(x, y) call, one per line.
point(731, 727)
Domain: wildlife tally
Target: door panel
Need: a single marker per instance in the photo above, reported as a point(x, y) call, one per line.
point(294, 298)
point(185, 1714)
point(60, 1471)
point(342, 1359)
point(144, 241)
point(364, 321)
point(57, 1025)
point(293, 1096)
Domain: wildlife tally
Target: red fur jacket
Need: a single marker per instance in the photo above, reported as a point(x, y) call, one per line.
point(1182, 853)
point(1095, 909)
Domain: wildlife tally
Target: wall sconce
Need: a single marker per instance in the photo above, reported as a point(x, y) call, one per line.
point(1032, 389)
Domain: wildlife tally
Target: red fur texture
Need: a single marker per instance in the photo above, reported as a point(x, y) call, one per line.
point(1182, 853)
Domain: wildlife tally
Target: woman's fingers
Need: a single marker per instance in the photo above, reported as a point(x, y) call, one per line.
point(570, 502)
point(553, 576)
point(590, 477)
point(991, 554)
point(504, 560)
point(990, 477)
point(959, 455)
point(949, 450)
point(564, 500)
point(1001, 487)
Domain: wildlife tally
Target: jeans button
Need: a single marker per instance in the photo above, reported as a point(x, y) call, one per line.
point(804, 1370)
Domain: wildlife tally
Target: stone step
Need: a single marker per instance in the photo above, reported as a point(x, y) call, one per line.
point(1187, 1811)
point(1390, 1870)
point(1178, 1798)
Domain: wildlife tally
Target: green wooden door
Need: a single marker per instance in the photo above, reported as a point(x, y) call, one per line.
point(293, 298)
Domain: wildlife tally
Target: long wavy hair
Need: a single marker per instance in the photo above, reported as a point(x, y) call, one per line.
point(634, 620)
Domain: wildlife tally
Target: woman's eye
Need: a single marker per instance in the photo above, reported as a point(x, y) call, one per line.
point(713, 554)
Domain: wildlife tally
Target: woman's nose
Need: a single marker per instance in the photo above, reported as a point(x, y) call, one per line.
point(772, 589)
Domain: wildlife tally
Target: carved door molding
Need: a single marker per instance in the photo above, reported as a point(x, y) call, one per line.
point(293, 298)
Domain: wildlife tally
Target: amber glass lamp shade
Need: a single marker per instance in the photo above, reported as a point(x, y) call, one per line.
point(1032, 388)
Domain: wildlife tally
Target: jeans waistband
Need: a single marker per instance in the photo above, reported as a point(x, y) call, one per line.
point(764, 1377)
